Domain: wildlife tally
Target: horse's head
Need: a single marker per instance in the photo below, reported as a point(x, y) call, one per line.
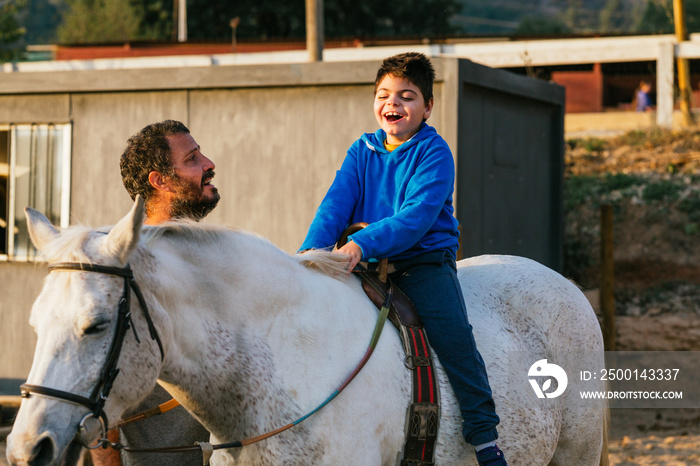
point(77, 318)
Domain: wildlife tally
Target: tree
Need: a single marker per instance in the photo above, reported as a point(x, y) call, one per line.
point(282, 19)
point(541, 26)
point(10, 30)
point(41, 19)
point(99, 21)
point(613, 17)
point(657, 18)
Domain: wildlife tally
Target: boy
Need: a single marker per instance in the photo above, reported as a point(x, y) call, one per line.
point(400, 180)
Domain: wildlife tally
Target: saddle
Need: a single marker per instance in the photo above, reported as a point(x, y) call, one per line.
point(423, 413)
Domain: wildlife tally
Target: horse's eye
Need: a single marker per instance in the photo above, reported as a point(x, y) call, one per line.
point(97, 328)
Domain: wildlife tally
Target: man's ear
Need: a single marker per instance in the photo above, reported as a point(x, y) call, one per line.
point(428, 109)
point(159, 182)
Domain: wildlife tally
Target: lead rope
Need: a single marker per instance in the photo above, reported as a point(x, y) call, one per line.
point(155, 411)
point(207, 449)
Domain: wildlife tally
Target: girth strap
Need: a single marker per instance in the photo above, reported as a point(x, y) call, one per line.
point(423, 414)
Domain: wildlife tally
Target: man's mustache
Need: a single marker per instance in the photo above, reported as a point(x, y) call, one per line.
point(208, 175)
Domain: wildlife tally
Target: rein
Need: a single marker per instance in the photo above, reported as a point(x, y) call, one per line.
point(95, 403)
point(207, 448)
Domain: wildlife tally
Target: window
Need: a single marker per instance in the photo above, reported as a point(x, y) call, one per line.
point(34, 172)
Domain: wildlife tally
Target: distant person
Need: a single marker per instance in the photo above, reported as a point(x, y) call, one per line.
point(641, 97)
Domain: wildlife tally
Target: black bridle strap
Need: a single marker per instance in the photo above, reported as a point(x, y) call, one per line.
point(26, 389)
point(109, 372)
point(121, 272)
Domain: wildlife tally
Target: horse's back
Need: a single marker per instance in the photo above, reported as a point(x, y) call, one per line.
point(522, 312)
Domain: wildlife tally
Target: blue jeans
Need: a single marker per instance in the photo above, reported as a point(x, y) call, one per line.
point(430, 281)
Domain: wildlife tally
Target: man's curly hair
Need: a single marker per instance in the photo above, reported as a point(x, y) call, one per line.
point(413, 66)
point(147, 151)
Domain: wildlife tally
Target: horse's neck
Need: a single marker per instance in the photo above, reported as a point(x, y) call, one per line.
point(242, 334)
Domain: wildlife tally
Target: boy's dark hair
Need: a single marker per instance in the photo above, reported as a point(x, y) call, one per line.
point(413, 66)
point(147, 151)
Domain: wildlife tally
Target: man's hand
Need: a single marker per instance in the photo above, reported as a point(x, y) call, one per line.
point(353, 250)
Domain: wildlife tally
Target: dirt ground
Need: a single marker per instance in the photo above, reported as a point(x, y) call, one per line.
point(650, 314)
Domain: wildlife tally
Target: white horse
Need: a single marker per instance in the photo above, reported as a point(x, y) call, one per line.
point(254, 338)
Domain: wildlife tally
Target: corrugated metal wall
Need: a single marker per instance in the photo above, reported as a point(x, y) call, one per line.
point(510, 169)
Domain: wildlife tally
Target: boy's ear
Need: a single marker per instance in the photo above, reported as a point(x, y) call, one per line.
point(428, 109)
point(159, 182)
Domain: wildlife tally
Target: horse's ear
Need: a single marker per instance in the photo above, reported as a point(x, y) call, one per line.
point(41, 231)
point(124, 236)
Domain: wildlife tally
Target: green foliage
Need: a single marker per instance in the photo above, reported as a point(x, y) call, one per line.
point(10, 30)
point(649, 139)
point(579, 190)
point(542, 26)
point(41, 19)
point(577, 259)
point(691, 229)
point(614, 17)
point(657, 17)
point(100, 21)
point(662, 190)
point(590, 144)
point(266, 19)
point(691, 206)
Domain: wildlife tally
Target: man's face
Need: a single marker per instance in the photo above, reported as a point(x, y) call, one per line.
point(195, 196)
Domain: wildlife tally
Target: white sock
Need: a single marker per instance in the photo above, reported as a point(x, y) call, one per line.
point(480, 447)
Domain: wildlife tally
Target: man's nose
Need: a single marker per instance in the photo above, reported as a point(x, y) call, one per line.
point(208, 164)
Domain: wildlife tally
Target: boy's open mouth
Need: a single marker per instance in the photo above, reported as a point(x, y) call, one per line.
point(392, 117)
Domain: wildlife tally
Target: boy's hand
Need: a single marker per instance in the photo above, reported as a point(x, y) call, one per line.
point(353, 250)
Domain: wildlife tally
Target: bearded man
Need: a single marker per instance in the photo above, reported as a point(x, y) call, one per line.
point(164, 164)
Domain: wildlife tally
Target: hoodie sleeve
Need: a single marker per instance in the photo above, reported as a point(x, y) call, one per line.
point(336, 209)
point(425, 196)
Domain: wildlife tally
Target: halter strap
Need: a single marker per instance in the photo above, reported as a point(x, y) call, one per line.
point(98, 397)
point(128, 274)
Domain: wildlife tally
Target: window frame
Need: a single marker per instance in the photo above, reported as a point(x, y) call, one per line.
point(65, 176)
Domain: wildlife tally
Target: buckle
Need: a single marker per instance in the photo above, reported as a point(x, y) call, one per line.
point(411, 362)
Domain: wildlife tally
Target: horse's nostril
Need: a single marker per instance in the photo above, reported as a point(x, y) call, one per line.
point(43, 452)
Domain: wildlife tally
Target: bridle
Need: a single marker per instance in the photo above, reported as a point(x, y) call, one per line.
point(95, 403)
point(99, 394)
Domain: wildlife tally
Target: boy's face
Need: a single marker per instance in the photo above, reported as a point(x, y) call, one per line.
point(400, 108)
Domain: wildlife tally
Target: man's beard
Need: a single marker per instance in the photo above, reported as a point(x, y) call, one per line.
point(191, 202)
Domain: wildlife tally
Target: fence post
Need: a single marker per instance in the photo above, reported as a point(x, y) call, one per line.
point(607, 276)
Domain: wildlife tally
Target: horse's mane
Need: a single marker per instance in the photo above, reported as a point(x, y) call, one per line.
point(68, 245)
point(334, 265)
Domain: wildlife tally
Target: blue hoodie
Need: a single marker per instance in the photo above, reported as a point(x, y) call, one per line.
point(405, 195)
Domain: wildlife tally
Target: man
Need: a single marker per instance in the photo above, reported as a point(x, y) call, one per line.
point(164, 164)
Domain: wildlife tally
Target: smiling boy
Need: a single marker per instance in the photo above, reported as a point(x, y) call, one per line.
point(400, 180)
